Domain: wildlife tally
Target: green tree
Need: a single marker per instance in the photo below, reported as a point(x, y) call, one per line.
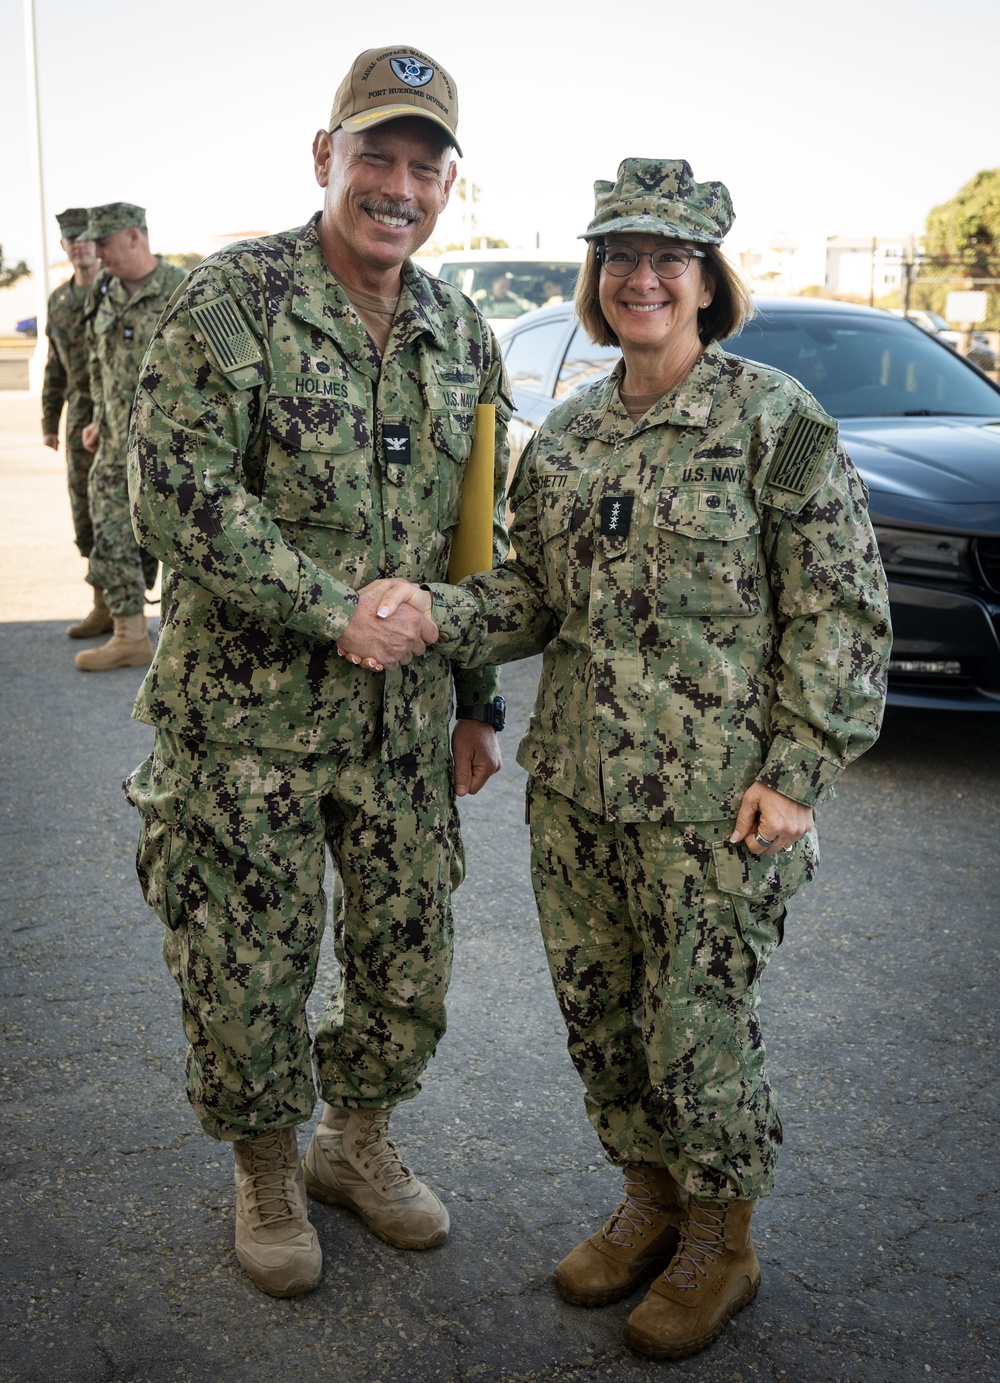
point(962, 241)
point(185, 260)
point(10, 273)
point(969, 224)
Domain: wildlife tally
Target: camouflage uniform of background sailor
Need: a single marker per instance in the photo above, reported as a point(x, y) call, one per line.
point(119, 329)
point(67, 381)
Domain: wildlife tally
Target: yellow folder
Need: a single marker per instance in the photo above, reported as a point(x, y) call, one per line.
point(472, 545)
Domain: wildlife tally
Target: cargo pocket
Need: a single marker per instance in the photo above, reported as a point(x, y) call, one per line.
point(759, 889)
point(158, 793)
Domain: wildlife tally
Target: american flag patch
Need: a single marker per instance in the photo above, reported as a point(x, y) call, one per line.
point(797, 459)
point(225, 331)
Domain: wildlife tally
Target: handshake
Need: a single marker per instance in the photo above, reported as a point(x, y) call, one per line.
point(391, 626)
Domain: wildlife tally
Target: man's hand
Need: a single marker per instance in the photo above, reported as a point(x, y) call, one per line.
point(51, 439)
point(768, 822)
point(475, 747)
point(390, 627)
point(398, 606)
point(90, 436)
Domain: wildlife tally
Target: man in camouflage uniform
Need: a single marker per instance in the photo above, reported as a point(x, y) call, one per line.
point(67, 382)
point(697, 565)
point(123, 309)
point(302, 427)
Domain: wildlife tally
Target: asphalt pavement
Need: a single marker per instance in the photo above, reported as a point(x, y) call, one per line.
point(879, 1247)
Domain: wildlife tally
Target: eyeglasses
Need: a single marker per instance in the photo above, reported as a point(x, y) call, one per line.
point(622, 260)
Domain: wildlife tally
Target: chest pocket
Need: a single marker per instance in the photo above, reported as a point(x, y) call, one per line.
point(560, 514)
point(708, 557)
point(451, 414)
point(318, 468)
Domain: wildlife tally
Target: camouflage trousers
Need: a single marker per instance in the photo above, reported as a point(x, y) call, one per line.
point(117, 563)
point(232, 855)
point(78, 463)
point(656, 936)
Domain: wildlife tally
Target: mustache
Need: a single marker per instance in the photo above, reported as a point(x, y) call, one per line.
point(381, 206)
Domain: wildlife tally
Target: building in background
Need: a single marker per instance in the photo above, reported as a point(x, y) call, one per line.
point(867, 267)
point(780, 267)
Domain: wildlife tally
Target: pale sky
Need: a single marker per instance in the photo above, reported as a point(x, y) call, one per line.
point(841, 119)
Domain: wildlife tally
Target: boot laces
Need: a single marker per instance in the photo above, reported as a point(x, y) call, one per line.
point(637, 1210)
point(380, 1151)
point(703, 1241)
point(270, 1179)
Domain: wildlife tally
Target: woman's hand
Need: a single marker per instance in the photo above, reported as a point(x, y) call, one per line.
point(768, 822)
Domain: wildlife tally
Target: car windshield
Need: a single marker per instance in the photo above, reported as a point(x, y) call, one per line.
point(865, 367)
point(508, 288)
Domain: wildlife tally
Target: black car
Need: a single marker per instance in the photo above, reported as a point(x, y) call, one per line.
point(921, 424)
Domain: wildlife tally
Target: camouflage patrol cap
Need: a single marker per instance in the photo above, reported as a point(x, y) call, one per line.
point(659, 196)
point(113, 216)
point(73, 223)
point(389, 83)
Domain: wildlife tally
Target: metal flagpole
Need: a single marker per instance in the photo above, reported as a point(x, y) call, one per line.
point(41, 272)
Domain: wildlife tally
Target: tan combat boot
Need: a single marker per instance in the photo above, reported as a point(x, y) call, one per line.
point(129, 646)
point(352, 1161)
point(713, 1275)
point(275, 1242)
point(96, 621)
point(636, 1243)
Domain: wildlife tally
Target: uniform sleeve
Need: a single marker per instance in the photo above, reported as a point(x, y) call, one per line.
point(501, 616)
point(94, 370)
point(55, 386)
point(194, 435)
point(831, 603)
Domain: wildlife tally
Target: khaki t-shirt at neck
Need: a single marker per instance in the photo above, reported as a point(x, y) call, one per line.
point(636, 405)
point(375, 312)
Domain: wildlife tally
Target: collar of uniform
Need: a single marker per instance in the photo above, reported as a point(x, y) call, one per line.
point(153, 285)
point(687, 405)
point(317, 298)
point(418, 311)
point(690, 403)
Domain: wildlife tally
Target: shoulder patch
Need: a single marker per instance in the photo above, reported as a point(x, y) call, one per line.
point(797, 458)
point(224, 329)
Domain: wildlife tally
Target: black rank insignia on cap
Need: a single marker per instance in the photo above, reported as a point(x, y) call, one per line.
point(396, 442)
point(616, 515)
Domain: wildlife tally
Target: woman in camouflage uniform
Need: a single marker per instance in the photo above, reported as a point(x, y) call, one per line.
point(695, 559)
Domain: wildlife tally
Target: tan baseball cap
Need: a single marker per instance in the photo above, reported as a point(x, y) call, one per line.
point(390, 83)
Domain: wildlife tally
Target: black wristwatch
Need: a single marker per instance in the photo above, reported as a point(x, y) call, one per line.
point(492, 713)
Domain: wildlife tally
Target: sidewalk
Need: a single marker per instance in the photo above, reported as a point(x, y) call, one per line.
point(879, 1247)
point(41, 572)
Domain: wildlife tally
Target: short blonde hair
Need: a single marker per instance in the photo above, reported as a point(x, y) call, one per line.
point(731, 306)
